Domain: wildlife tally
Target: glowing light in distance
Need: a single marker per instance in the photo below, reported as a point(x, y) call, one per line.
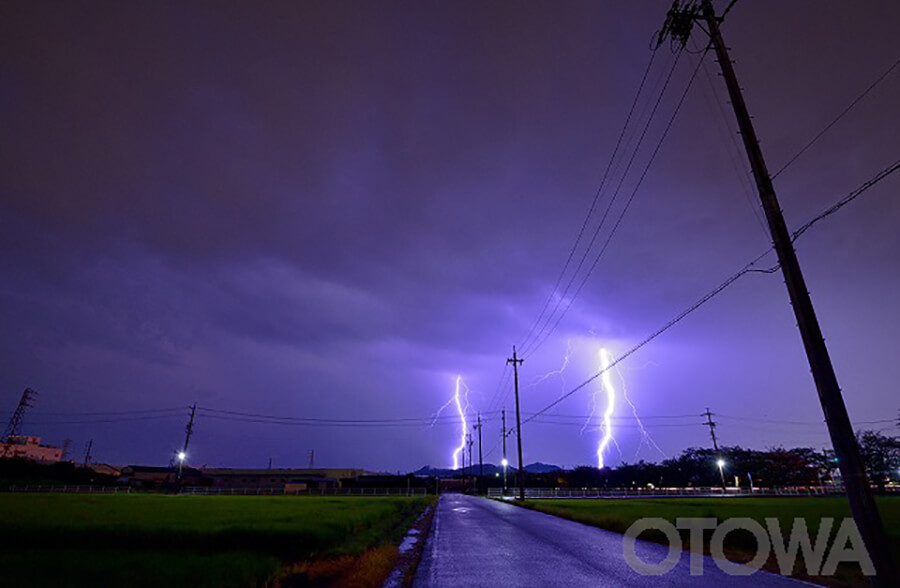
point(505, 462)
point(721, 463)
point(181, 455)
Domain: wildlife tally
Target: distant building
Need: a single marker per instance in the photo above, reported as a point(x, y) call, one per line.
point(290, 480)
point(282, 480)
point(105, 469)
point(153, 477)
point(28, 447)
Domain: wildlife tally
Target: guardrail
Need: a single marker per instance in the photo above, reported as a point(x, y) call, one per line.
point(661, 492)
point(207, 491)
point(73, 489)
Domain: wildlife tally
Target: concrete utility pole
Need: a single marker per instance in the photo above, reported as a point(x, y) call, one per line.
point(516, 362)
point(712, 429)
point(87, 452)
point(64, 452)
point(862, 503)
point(712, 433)
point(312, 459)
point(187, 439)
point(470, 442)
point(480, 459)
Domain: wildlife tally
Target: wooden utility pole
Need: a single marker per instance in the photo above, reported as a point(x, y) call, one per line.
point(859, 494)
point(480, 459)
point(87, 452)
point(516, 362)
point(712, 433)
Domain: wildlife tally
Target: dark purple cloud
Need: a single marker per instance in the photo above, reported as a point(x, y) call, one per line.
point(330, 209)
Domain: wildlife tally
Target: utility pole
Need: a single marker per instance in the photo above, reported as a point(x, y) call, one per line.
point(470, 443)
point(712, 433)
point(87, 452)
point(480, 459)
point(187, 439)
point(312, 459)
point(66, 446)
point(859, 494)
point(516, 362)
point(712, 429)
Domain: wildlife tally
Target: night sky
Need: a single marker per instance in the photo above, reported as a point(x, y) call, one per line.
point(330, 209)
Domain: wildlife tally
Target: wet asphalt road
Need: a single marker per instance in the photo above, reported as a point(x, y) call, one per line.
point(480, 542)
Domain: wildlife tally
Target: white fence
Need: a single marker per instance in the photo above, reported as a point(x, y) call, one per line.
point(207, 491)
point(73, 489)
point(662, 492)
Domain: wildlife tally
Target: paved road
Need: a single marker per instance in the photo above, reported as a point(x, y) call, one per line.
point(480, 542)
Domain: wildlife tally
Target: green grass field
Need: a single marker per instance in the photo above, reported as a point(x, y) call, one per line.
point(156, 540)
point(618, 515)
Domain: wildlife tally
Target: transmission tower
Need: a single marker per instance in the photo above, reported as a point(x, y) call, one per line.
point(14, 428)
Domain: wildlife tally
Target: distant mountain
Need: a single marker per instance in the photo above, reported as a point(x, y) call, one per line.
point(541, 468)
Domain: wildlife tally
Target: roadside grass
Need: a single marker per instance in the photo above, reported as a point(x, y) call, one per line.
point(157, 540)
point(617, 515)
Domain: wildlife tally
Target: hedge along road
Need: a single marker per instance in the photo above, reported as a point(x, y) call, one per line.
point(480, 542)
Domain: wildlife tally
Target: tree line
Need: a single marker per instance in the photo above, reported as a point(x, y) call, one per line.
point(773, 467)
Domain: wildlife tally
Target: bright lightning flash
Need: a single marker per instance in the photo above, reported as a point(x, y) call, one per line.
point(462, 420)
point(605, 363)
point(461, 409)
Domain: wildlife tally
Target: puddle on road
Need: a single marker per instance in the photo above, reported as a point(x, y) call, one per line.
point(408, 542)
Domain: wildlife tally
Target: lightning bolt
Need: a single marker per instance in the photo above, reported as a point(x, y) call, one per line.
point(461, 410)
point(463, 425)
point(558, 372)
point(607, 386)
point(645, 435)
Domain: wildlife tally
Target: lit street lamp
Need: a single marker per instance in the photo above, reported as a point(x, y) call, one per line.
point(505, 463)
point(181, 457)
point(721, 464)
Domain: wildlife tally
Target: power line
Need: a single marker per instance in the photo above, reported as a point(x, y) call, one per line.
point(111, 420)
point(593, 202)
point(423, 423)
point(114, 413)
point(413, 420)
point(734, 153)
point(627, 203)
point(846, 199)
point(748, 268)
point(527, 347)
point(803, 423)
point(837, 118)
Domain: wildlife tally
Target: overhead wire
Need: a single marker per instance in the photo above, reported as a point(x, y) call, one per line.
point(748, 268)
point(843, 113)
point(594, 201)
point(528, 347)
point(627, 204)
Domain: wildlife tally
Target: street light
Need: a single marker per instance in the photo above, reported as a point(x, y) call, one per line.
point(721, 464)
point(505, 463)
point(181, 456)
